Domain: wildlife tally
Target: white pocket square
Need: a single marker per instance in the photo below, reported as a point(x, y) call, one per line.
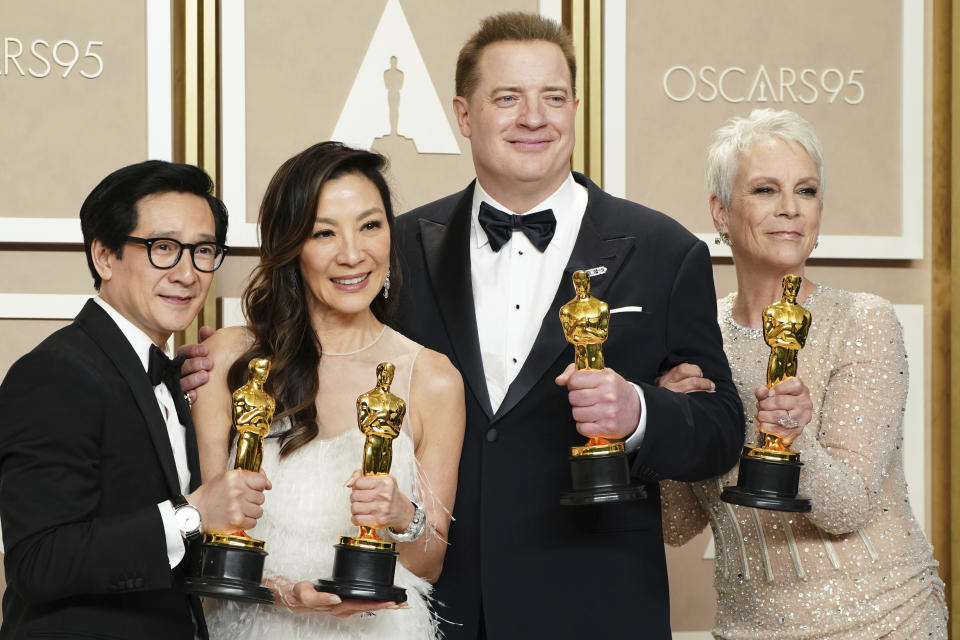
point(626, 310)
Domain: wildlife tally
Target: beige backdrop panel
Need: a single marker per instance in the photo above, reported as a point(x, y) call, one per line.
point(61, 135)
point(29, 333)
point(38, 271)
point(667, 137)
point(302, 57)
point(64, 129)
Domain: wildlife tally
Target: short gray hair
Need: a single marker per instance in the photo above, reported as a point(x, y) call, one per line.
point(735, 137)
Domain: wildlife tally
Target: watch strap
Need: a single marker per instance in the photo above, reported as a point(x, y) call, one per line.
point(179, 502)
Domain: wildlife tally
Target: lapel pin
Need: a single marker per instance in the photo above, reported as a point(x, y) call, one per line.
point(596, 271)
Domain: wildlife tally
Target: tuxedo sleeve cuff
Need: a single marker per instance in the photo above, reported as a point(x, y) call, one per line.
point(175, 547)
point(632, 443)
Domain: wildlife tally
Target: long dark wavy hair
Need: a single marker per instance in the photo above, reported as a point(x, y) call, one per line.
point(275, 303)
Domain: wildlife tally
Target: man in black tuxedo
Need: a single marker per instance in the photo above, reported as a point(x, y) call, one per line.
point(97, 447)
point(486, 271)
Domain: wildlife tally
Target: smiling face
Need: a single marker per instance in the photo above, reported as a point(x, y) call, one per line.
point(774, 213)
point(520, 121)
point(345, 260)
point(158, 301)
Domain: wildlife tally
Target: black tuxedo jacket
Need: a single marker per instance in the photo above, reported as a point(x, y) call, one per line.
point(84, 460)
point(528, 566)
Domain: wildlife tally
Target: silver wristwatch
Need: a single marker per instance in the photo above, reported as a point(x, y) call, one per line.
point(414, 530)
point(188, 518)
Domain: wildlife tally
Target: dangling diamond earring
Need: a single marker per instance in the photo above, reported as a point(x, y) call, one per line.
point(386, 285)
point(722, 238)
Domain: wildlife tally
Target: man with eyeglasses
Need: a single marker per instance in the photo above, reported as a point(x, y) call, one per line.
point(100, 489)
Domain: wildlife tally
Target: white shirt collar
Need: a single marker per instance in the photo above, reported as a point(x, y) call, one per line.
point(139, 340)
point(561, 201)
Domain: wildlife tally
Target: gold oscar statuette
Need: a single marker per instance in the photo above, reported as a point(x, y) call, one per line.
point(252, 415)
point(230, 565)
point(599, 467)
point(785, 328)
point(379, 416)
point(586, 324)
point(769, 473)
point(364, 564)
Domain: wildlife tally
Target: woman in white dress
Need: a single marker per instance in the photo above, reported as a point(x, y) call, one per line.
point(316, 306)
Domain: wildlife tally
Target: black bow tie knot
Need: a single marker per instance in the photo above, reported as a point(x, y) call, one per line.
point(500, 225)
point(162, 369)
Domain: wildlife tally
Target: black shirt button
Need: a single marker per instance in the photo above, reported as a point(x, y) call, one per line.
point(492, 435)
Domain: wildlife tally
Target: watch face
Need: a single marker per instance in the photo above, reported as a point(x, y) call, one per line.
point(188, 519)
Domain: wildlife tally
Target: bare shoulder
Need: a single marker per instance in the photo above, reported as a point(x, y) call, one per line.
point(433, 374)
point(436, 390)
point(228, 344)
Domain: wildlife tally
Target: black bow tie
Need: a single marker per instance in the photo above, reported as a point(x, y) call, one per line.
point(163, 369)
point(500, 225)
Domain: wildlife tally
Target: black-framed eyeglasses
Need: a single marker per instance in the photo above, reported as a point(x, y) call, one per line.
point(165, 253)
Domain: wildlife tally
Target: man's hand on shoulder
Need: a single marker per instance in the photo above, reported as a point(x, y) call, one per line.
point(604, 403)
point(195, 370)
point(231, 501)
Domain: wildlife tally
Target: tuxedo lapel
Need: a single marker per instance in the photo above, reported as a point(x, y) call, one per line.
point(591, 250)
point(105, 333)
point(193, 456)
point(446, 248)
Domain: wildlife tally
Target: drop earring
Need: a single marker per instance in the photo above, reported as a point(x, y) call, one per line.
point(386, 285)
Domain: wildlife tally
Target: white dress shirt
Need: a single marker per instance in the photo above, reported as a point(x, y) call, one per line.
point(513, 288)
point(141, 344)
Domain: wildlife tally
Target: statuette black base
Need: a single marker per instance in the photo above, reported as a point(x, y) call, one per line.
point(767, 484)
point(363, 574)
point(230, 573)
point(601, 479)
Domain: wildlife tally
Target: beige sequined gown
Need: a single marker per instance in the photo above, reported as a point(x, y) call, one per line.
point(309, 508)
point(857, 566)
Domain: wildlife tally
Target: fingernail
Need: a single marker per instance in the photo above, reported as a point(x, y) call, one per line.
point(335, 600)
